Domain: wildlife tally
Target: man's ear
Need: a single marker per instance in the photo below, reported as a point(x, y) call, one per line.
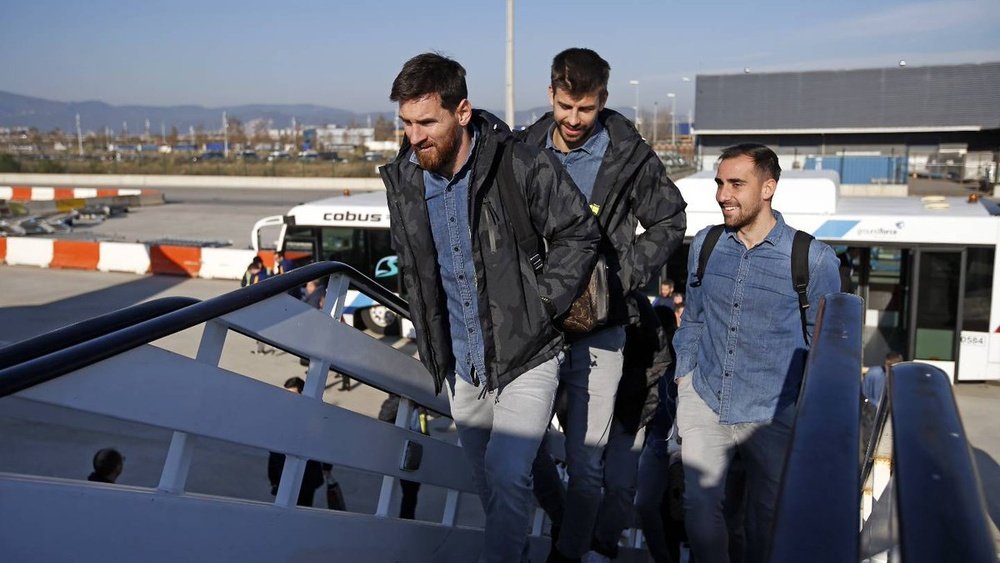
point(464, 112)
point(769, 188)
point(552, 96)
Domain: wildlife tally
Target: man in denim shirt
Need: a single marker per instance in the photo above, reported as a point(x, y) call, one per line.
point(741, 353)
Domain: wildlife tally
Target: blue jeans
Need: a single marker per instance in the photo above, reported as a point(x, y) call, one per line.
point(621, 466)
point(589, 376)
point(500, 437)
point(708, 449)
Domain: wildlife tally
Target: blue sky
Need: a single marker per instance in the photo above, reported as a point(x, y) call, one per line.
point(346, 53)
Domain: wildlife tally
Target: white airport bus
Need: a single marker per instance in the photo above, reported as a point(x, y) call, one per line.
point(926, 267)
point(353, 229)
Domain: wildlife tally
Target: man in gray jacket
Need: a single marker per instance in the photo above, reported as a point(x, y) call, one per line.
point(482, 308)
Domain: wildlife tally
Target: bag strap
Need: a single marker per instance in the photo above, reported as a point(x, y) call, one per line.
point(517, 211)
point(800, 274)
point(707, 245)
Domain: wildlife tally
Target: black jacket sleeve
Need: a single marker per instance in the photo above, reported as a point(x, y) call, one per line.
point(659, 208)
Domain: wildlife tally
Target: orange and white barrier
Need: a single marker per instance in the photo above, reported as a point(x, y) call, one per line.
point(43, 193)
point(136, 258)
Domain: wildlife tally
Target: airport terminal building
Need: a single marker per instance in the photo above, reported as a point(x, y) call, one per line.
point(872, 126)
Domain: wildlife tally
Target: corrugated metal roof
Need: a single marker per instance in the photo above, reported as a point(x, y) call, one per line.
point(953, 97)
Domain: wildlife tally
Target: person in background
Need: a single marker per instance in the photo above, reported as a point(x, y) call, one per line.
point(666, 296)
point(315, 474)
point(108, 466)
point(255, 272)
point(873, 384)
point(678, 313)
point(417, 423)
point(281, 264)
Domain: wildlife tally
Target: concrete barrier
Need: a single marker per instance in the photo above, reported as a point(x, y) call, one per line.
point(135, 258)
point(224, 263)
point(128, 257)
point(46, 193)
point(119, 181)
point(24, 251)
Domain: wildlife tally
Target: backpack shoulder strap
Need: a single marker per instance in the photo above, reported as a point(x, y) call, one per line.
point(800, 274)
point(516, 209)
point(707, 245)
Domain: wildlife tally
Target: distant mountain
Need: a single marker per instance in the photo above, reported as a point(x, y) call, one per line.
point(45, 115)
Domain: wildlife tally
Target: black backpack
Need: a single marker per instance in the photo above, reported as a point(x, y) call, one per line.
point(800, 266)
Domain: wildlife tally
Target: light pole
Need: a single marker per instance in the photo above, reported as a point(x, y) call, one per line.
point(636, 84)
point(673, 124)
point(509, 113)
point(655, 124)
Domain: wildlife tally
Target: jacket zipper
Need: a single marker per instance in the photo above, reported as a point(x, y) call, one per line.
point(492, 227)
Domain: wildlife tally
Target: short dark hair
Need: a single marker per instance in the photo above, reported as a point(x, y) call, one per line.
point(580, 71)
point(764, 159)
point(295, 383)
point(430, 73)
point(107, 460)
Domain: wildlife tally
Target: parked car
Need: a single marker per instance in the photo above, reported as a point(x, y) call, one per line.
point(278, 155)
point(207, 156)
point(10, 230)
point(36, 226)
point(248, 155)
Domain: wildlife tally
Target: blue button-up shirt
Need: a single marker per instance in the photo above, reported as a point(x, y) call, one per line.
point(740, 339)
point(448, 209)
point(583, 162)
point(873, 384)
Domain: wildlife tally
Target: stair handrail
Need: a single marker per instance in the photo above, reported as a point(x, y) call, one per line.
point(817, 509)
point(939, 498)
point(38, 370)
point(89, 329)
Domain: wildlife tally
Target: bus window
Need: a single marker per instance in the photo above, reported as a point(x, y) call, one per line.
point(367, 250)
point(344, 244)
point(300, 245)
point(938, 274)
point(978, 289)
point(879, 275)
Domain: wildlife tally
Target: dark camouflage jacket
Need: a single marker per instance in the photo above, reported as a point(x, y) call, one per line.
point(518, 331)
point(638, 192)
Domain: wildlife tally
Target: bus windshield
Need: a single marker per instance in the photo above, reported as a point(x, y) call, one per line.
point(367, 250)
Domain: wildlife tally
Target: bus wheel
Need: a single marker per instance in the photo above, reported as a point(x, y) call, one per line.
point(379, 319)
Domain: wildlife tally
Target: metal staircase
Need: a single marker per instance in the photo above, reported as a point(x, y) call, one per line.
point(834, 505)
point(109, 367)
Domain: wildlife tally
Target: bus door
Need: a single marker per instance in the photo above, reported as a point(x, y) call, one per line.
point(951, 294)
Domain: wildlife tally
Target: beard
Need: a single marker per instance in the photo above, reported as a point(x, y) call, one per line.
point(743, 217)
point(441, 155)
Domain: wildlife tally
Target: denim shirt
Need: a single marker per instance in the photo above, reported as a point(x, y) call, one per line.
point(740, 339)
point(448, 210)
point(583, 162)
